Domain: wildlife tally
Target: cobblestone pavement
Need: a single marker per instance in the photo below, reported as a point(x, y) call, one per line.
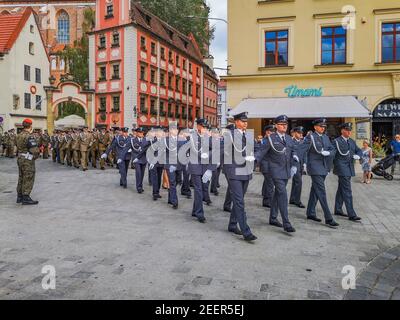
point(110, 243)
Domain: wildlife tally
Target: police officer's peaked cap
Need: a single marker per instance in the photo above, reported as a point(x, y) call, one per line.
point(115, 128)
point(269, 127)
point(241, 116)
point(281, 119)
point(320, 122)
point(125, 129)
point(141, 129)
point(347, 126)
point(298, 129)
point(230, 126)
point(202, 122)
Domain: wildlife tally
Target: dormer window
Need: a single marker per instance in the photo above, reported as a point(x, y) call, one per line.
point(110, 11)
point(148, 19)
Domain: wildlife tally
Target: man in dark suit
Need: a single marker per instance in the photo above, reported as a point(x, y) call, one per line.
point(139, 158)
point(319, 153)
point(238, 169)
point(297, 182)
point(343, 166)
point(279, 153)
point(268, 185)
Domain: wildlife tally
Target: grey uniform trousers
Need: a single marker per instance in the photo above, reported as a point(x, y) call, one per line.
point(318, 193)
point(344, 194)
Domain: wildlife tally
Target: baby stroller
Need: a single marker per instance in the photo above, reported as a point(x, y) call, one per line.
point(380, 168)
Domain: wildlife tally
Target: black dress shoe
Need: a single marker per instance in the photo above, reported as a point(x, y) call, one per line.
point(289, 229)
point(292, 202)
point(300, 205)
point(236, 231)
point(208, 202)
point(125, 186)
point(227, 209)
point(266, 205)
point(19, 198)
point(250, 237)
point(341, 214)
point(193, 215)
point(276, 223)
point(355, 218)
point(216, 193)
point(140, 191)
point(158, 196)
point(332, 223)
point(201, 220)
point(155, 198)
point(175, 206)
point(314, 219)
point(26, 200)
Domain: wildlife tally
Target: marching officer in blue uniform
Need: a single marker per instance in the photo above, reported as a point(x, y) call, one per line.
point(123, 149)
point(268, 185)
point(343, 166)
point(297, 181)
point(228, 200)
point(238, 173)
point(216, 138)
point(199, 167)
point(183, 138)
point(279, 152)
point(139, 158)
point(319, 154)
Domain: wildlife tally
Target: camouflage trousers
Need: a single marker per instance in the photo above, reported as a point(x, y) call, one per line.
point(45, 152)
point(26, 176)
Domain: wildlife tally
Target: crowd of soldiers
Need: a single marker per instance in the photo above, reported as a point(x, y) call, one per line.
point(279, 156)
point(8, 142)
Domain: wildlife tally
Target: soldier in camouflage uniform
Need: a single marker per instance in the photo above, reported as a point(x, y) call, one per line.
point(85, 141)
point(44, 141)
point(63, 147)
point(94, 150)
point(28, 152)
point(75, 146)
point(104, 138)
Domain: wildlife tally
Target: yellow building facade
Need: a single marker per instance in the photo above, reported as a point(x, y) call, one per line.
point(306, 49)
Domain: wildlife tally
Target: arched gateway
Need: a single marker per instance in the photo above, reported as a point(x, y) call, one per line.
point(69, 99)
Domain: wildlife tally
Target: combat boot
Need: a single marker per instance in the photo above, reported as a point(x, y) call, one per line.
point(19, 198)
point(26, 200)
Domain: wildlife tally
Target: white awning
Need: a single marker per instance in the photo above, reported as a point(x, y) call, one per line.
point(309, 107)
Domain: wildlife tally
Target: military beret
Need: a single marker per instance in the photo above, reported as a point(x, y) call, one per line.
point(320, 122)
point(346, 126)
point(28, 121)
point(281, 119)
point(241, 116)
point(298, 129)
point(269, 127)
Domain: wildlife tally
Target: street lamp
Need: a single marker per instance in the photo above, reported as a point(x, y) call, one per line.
point(207, 18)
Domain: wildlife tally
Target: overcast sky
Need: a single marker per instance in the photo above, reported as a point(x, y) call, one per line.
point(219, 44)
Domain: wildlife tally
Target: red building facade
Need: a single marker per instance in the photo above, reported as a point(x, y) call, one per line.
point(145, 72)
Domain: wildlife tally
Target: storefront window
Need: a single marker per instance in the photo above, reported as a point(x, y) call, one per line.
point(333, 45)
point(276, 48)
point(391, 42)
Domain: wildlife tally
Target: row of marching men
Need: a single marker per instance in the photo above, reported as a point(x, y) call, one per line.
point(280, 156)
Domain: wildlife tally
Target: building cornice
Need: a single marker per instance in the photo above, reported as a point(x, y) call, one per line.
point(386, 11)
point(276, 19)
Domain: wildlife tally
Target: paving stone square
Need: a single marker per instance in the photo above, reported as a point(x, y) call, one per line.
point(109, 243)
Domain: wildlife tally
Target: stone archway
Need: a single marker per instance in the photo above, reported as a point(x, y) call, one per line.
point(69, 91)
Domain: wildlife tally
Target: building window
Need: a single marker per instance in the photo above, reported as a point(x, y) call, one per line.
point(143, 76)
point(31, 48)
point(38, 104)
point(184, 84)
point(190, 89)
point(197, 91)
point(178, 63)
point(177, 83)
point(115, 71)
point(153, 76)
point(38, 76)
point(162, 79)
point(170, 81)
point(63, 28)
point(184, 64)
point(143, 107)
point(115, 38)
point(333, 45)
point(177, 115)
point(190, 68)
point(103, 104)
point(170, 111)
point(163, 113)
point(27, 73)
point(27, 100)
point(102, 73)
point(31, 28)
point(153, 110)
point(276, 48)
point(102, 41)
point(153, 49)
point(116, 104)
point(391, 42)
point(143, 43)
point(170, 57)
point(198, 72)
point(162, 51)
point(110, 11)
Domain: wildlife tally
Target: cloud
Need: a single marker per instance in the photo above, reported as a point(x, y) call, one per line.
point(219, 44)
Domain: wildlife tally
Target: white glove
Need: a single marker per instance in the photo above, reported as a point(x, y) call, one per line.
point(250, 158)
point(296, 158)
point(206, 176)
point(204, 156)
point(119, 161)
point(326, 153)
point(104, 156)
point(305, 168)
point(293, 171)
point(356, 157)
point(172, 169)
point(134, 161)
point(151, 166)
point(130, 150)
point(218, 165)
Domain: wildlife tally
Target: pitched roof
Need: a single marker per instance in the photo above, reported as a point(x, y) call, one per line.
point(148, 21)
point(10, 27)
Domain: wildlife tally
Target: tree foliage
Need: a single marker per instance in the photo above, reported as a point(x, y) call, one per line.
point(176, 12)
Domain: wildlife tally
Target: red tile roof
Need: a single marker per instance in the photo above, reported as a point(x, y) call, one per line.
point(148, 21)
point(10, 27)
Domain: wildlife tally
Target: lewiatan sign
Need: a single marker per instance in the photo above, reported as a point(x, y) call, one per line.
point(294, 92)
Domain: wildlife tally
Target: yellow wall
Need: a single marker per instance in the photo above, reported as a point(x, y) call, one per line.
point(364, 76)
